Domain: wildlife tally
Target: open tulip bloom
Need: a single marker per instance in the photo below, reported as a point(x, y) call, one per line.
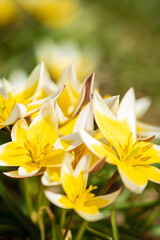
point(77, 197)
point(32, 147)
point(133, 157)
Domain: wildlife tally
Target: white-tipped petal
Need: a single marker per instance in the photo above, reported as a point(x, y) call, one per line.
point(90, 217)
point(142, 106)
point(23, 173)
point(83, 166)
point(85, 119)
point(55, 199)
point(127, 110)
point(18, 112)
point(113, 104)
point(100, 106)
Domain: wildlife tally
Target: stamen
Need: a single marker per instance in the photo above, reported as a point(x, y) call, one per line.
point(137, 156)
point(144, 149)
point(145, 158)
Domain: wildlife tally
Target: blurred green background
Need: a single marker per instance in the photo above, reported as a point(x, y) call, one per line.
point(119, 40)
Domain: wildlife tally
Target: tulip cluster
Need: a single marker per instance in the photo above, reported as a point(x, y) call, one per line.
point(66, 131)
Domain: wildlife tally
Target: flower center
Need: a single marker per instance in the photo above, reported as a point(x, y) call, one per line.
point(135, 154)
point(37, 153)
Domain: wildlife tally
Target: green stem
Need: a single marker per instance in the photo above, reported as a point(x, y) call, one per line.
point(23, 220)
point(80, 232)
point(63, 218)
point(41, 224)
point(114, 225)
point(97, 233)
point(28, 198)
point(107, 186)
point(69, 225)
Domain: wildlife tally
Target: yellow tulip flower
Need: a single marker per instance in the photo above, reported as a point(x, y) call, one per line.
point(77, 197)
point(133, 157)
point(32, 147)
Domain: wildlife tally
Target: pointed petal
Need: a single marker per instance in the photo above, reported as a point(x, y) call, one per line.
point(14, 174)
point(103, 201)
point(116, 132)
point(83, 168)
point(69, 98)
point(35, 106)
point(142, 106)
point(31, 85)
point(19, 130)
point(27, 171)
point(151, 172)
point(97, 148)
point(127, 110)
point(74, 182)
point(61, 117)
point(146, 130)
point(85, 119)
point(85, 94)
point(132, 178)
point(113, 104)
point(18, 112)
point(45, 126)
point(59, 200)
point(71, 141)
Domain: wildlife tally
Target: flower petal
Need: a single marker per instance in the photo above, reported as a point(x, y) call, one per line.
point(54, 158)
point(51, 176)
point(30, 86)
point(90, 214)
point(19, 130)
point(132, 178)
point(45, 126)
point(151, 172)
point(142, 105)
point(115, 131)
point(18, 111)
point(14, 174)
point(113, 104)
point(59, 200)
point(105, 200)
point(127, 110)
point(27, 171)
point(98, 148)
point(145, 130)
point(85, 119)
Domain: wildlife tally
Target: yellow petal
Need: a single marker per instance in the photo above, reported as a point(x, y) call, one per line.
point(116, 132)
point(52, 176)
point(53, 159)
point(30, 86)
point(132, 178)
point(151, 172)
point(44, 126)
point(99, 149)
point(74, 182)
point(103, 201)
point(19, 131)
point(13, 154)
